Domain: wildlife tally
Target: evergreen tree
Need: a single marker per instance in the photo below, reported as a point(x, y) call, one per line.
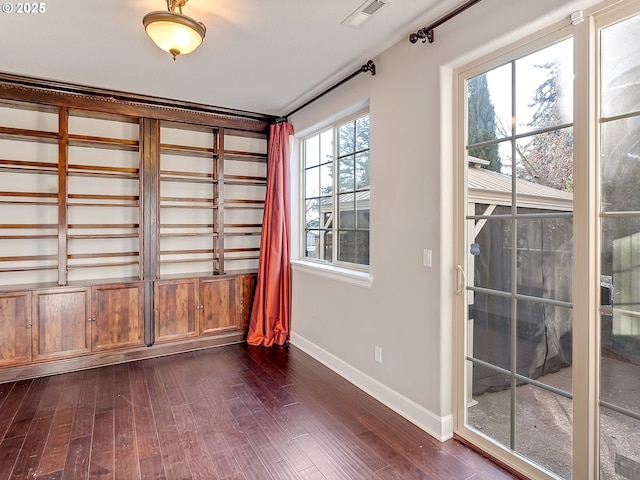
point(482, 122)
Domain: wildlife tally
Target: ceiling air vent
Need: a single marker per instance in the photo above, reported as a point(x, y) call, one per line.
point(364, 12)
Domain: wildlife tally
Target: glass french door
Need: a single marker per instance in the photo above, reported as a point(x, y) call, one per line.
point(519, 255)
point(535, 376)
point(619, 125)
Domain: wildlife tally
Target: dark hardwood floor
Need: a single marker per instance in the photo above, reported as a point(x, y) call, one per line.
point(233, 412)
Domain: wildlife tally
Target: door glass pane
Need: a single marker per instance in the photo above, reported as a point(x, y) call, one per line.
point(619, 47)
point(489, 249)
point(489, 326)
point(619, 440)
point(545, 161)
point(544, 429)
point(489, 105)
point(620, 252)
point(620, 373)
point(545, 256)
point(489, 412)
point(545, 344)
point(544, 88)
point(519, 254)
point(620, 166)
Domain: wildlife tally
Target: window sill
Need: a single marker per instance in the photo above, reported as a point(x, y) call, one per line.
point(340, 274)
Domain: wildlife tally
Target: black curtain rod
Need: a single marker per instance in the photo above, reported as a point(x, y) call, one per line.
point(367, 67)
point(426, 33)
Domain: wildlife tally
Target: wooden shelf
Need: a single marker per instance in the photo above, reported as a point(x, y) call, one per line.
point(187, 260)
point(73, 256)
point(100, 265)
point(237, 203)
point(245, 156)
point(27, 269)
point(102, 172)
point(192, 207)
point(245, 180)
point(190, 252)
point(28, 167)
point(188, 150)
point(29, 135)
point(95, 226)
point(28, 258)
point(187, 225)
point(185, 179)
point(103, 142)
point(176, 174)
point(239, 250)
point(242, 225)
point(207, 234)
point(31, 226)
point(102, 236)
point(188, 199)
point(5, 197)
point(28, 237)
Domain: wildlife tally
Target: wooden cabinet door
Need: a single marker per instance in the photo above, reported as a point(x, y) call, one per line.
point(175, 303)
point(118, 316)
point(217, 305)
point(246, 291)
point(15, 328)
point(61, 323)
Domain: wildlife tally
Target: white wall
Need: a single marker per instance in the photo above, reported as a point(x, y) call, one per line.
point(407, 308)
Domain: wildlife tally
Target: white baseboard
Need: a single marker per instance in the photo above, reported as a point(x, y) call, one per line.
point(438, 427)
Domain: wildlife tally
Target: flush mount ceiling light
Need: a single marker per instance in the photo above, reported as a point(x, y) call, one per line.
point(172, 31)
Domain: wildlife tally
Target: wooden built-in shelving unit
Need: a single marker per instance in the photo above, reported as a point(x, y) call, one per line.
point(245, 181)
point(130, 225)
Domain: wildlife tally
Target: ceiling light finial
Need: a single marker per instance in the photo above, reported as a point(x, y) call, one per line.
point(174, 32)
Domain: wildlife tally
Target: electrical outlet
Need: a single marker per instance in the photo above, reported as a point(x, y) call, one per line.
point(378, 354)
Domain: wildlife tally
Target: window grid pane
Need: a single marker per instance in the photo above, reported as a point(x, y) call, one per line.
point(336, 176)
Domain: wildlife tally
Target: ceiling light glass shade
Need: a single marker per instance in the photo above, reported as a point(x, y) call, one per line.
point(174, 32)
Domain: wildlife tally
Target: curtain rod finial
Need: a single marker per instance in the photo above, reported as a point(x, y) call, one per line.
point(369, 67)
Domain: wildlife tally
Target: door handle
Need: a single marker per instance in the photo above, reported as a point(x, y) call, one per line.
point(461, 279)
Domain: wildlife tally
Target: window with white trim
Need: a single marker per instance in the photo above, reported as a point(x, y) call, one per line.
point(335, 165)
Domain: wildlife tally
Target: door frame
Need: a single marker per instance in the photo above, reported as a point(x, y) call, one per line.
point(585, 290)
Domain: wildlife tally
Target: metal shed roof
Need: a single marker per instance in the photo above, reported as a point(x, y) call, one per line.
point(493, 188)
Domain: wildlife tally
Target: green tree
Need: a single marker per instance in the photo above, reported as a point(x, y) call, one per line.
point(353, 154)
point(482, 122)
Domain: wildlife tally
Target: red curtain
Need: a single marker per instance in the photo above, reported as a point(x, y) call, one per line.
point(270, 316)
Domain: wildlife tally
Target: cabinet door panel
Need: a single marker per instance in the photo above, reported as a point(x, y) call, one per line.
point(60, 326)
point(118, 312)
point(175, 309)
point(218, 301)
point(15, 325)
point(247, 288)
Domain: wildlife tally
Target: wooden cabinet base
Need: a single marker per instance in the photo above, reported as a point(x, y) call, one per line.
point(64, 329)
point(34, 370)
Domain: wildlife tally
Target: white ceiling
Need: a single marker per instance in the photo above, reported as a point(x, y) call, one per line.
point(265, 56)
